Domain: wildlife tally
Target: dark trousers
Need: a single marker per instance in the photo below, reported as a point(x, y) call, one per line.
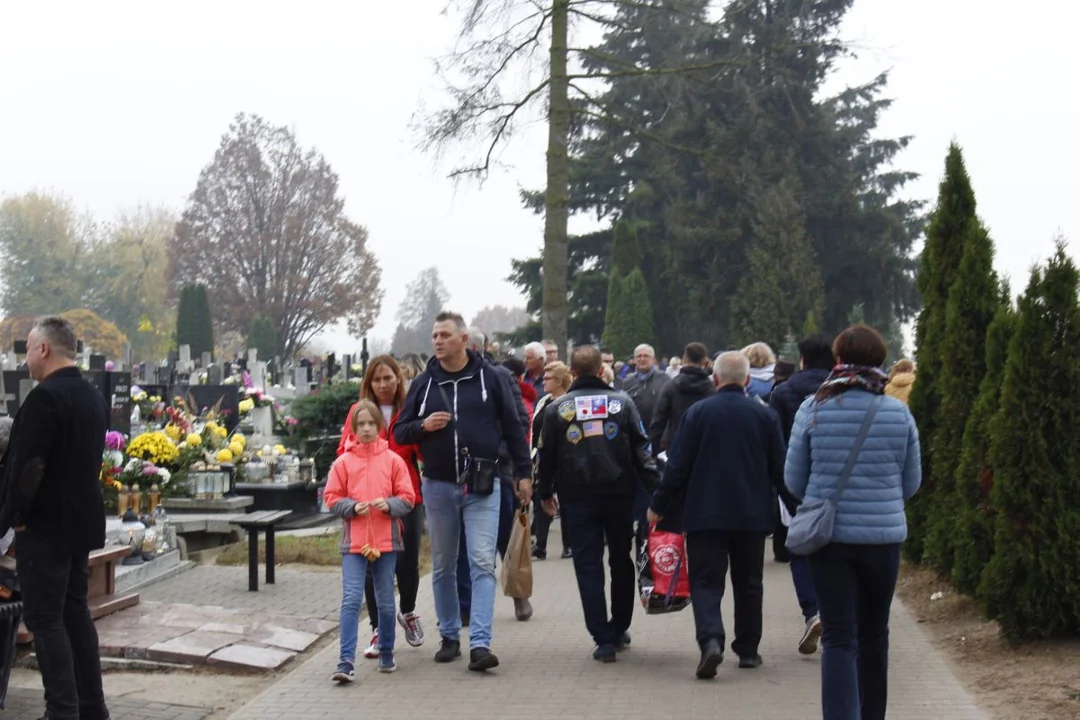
point(804, 586)
point(592, 522)
point(542, 525)
point(779, 538)
point(708, 554)
point(507, 506)
point(855, 585)
point(54, 583)
point(407, 571)
point(641, 520)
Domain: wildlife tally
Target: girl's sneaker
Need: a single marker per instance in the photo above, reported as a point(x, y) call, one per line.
point(372, 651)
point(414, 631)
point(386, 662)
point(344, 673)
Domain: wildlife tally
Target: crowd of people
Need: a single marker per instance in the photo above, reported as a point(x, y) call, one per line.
point(727, 449)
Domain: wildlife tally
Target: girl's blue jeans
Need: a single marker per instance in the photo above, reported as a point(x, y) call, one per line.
point(353, 572)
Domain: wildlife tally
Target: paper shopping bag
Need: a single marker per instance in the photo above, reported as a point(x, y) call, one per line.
point(517, 565)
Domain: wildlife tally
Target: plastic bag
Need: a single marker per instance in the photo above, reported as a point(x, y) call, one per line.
point(517, 579)
point(663, 580)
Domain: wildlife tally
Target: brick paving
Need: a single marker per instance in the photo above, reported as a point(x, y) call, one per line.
point(548, 671)
point(303, 593)
point(27, 704)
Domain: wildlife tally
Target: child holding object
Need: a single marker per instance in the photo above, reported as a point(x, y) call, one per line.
point(370, 489)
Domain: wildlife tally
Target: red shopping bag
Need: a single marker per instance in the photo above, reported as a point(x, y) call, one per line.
point(663, 580)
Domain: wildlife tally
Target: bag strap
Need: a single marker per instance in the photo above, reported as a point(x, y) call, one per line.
point(845, 475)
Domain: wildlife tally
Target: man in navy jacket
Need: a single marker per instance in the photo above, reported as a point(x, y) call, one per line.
point(725, 469)
point(460, 412)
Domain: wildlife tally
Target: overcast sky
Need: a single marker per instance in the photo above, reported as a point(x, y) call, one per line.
point(118, 103)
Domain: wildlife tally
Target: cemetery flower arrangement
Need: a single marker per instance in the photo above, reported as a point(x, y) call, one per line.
point(261, 399)
point(156, 447)
point(246, 405)
point(144, 473)
point(151, 407)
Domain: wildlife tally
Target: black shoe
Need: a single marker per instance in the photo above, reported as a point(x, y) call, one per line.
point(750, 662)
point(604, 653)
point(539, 554)
point(711, 657)
point(567, 554)
point(449, 650)
point(623, 642)
point(482, 660)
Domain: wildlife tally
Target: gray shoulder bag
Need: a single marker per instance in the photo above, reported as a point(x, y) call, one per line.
point(812, 527)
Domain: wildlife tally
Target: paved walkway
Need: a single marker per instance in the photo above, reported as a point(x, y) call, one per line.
point(27, 704)
point(547, 670)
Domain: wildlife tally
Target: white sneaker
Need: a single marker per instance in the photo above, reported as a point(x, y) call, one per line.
point(808, 644)
point(372, 651)
point(414, 631)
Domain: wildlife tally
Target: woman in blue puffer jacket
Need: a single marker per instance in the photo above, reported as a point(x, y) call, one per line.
point(855, 574)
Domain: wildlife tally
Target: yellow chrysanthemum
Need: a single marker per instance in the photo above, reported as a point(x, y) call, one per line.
point(239, 437)
point(212, 426)
point(155, 447)
point(194, 439)
point(173, 431)
point(221, 432)
point(279, 450)
point(224, 456)
point(236, 449)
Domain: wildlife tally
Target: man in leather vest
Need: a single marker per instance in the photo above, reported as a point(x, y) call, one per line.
point(594, 452)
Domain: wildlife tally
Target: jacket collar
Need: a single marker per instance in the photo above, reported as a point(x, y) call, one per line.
point(694, 370)
point(589, 382)
point(731, 389)
point(369, 449)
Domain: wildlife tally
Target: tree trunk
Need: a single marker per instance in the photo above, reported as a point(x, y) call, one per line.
point(554, 310)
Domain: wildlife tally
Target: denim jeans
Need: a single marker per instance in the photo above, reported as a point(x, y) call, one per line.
point(54, 584)
point(407, 570)
point(594, 522)
point(804, 585)
point(855, 585)
point(506, 525)
point(449, 507)
point(353, 572)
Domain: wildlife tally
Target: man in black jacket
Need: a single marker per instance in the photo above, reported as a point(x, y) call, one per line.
point(694, 382)
point(460, 412)
point(594, 453)
point(728, 464)
point(53, 499)
point(815, 362)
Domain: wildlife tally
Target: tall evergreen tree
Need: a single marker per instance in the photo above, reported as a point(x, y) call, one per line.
point(263, 338)
point(1031, 583)
point(940, 264)
point(629, 319)
point(194, 325)
point(973, 301)
point(783, 282)
point(973, 534)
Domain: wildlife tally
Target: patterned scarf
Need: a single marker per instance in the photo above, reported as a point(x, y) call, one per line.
point(846, 377)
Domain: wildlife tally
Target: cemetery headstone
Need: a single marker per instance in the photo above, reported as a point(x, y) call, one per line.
point(26, 384)
point(253, 356)
point(207, 360)
point(214, 375)
point(303, 386)
point(97, 362)
point(119, 384)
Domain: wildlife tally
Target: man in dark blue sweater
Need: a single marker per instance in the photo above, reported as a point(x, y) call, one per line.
point(725, 469)
point(815, 363)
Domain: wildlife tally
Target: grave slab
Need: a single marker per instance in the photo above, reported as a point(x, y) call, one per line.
point(250, 657)
point(194, 647)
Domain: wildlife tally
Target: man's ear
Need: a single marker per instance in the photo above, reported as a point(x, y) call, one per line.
point(715, 381)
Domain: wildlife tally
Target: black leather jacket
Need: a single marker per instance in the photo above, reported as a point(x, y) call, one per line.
point(593, 443)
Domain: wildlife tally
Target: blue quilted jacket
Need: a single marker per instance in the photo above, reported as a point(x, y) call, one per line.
point(888, 470)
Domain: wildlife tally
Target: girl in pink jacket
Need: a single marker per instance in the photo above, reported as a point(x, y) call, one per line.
point(369, 488)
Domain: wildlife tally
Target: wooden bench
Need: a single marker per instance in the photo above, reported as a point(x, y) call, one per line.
point(265, 520)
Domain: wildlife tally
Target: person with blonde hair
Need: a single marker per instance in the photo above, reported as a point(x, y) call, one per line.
point(901, 380)
point(557, 381)
point(762, 370)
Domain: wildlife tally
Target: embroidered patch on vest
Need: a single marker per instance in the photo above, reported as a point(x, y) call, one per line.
point(593, 428)
point(573, 434)
point(611, 430)
point(591, 407)
point(614, 406)
point(566, 410)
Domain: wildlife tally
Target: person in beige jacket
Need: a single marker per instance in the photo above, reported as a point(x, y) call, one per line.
point(901, 380)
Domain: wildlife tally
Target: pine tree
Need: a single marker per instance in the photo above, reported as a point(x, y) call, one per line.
point(263, 337)
point(973, 538)
point(782, 283)
point(974, 299)
point(194, 326)
point(1031, 584)
point(940, 263)
point(629, 319)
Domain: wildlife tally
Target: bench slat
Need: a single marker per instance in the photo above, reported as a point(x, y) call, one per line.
point(260, 518)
